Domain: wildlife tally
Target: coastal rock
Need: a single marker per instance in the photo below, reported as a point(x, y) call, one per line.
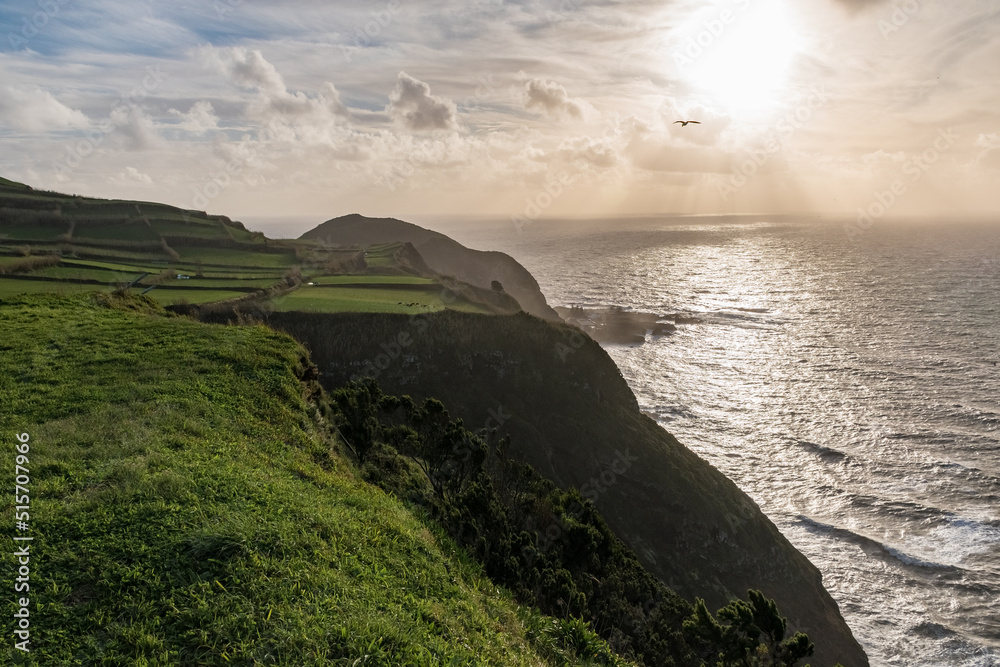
point(615, 325)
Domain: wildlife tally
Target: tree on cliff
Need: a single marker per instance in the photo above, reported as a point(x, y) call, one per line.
point(748, 633)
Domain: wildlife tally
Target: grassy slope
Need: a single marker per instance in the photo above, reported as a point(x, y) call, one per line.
point(186, 510)
point(126, 236)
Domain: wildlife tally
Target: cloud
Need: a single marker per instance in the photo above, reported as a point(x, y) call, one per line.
point(656, 155)
point(551, 97)
point(858, 5)
point(36, 110)
point(598, 153)
point(412, 105)
point(247, 68)
point(199, 119)
point(274, 101)
point(134, 129)
point(990, 156)
point(131, 176)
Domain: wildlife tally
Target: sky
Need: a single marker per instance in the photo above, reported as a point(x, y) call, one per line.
point(525, 109)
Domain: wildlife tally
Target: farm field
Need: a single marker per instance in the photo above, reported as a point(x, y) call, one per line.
point(66, 244)
point(346, 299)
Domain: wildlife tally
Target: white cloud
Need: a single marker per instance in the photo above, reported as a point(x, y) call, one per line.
point(134, 129)
point(199, 119)
point(413, 106)
point(595, 152)
point(36, 110)
point(131, 176)
point(286, 115)
point(247, 68)
point(551, 98)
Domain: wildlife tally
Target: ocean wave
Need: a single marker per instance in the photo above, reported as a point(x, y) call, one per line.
point(822, 451)
point(873, 546)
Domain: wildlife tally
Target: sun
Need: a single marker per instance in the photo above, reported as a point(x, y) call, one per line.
point(740, 58)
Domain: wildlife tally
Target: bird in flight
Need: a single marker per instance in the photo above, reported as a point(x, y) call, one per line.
point(685, 122)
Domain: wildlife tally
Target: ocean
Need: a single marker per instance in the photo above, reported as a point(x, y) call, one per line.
point(850, 386)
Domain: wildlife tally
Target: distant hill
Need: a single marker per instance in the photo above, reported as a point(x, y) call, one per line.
point(7, 183)
point(442, 254)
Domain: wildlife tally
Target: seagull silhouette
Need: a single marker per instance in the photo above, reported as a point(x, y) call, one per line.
point(685, 122)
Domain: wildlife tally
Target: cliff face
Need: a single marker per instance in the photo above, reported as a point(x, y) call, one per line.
point(571, 415)
point(442, 255)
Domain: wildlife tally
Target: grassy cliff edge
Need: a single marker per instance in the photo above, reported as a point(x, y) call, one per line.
point(186, 509)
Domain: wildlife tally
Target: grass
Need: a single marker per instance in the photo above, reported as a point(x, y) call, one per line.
point(381, 256)
point(12, 184)
point(236, 258)
point(362, 279)
point(87, 273)
point(222, 283)
point(200, 229)
point(132, 231)
point(112, 242)
point(43, 233)
point(187, 509)
point(169, 296)
point(106, 253)
point(10, 287)
point(187, 269)
point(347, 300)
point(115, 266)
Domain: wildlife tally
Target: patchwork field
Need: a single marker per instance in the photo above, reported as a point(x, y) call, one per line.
point(65, 245)
point(383, 299)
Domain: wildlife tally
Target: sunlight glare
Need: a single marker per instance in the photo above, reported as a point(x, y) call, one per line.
point(746, 65)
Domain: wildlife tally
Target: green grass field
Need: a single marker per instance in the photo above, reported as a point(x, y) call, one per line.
point(21, 233)
point(169, 296)
point(188, 509)
point(14, 287)
point(150, 267)
point(372, 279)
point(108, 276)
point(236, 258)
point(100, 250)
point(187, 269)
point(228, 281)
point(201, 229)
point(122, 232)
point(347, 300)
point(13, 184)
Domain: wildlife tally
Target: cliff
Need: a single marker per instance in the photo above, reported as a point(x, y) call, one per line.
point(572, 416)
point(188, 507)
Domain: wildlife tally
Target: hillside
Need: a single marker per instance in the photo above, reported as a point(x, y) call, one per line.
point(382, 310)
point(571, 415)
point(188, 507)
point(52, 242)
point(442, 254)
